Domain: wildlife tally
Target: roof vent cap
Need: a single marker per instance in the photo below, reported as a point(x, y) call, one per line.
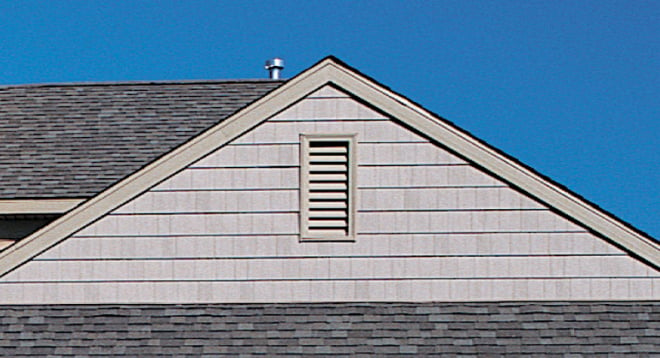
point(274, 66)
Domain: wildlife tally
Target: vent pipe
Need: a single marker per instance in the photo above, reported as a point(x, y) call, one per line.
point(274, 66)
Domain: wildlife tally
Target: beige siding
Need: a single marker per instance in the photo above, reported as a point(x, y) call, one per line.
point(286, 154)
point(329, 268)
point(326, 291)
point(268, 246)
point(371, 199)
point(378, 131)
point(430, 227)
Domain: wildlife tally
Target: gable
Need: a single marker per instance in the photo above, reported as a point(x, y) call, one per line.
point(431, 226)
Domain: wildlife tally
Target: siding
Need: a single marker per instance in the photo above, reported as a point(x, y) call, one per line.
point(430, 227)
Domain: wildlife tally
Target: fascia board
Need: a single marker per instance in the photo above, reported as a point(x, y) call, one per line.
point(169, 164)
point(37, 206)
point(554, 196)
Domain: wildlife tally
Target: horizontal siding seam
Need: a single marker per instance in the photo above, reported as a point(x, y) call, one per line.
point(265, 143)
point(293, 166)
point(382, 187)
point(475, 278)
point(343, 119)
point(255, 166)
point(359, 233)
point(314, 257)
point(370, 211)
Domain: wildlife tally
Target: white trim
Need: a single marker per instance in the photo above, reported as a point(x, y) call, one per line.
point(170, 163)
point(4, 243)
point(554, 196)
point(38, 206)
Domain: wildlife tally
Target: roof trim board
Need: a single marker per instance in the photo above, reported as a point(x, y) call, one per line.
point(137, 82)
point(165, 166)
point(38, 206)
point(490, 159)
point(332, 71)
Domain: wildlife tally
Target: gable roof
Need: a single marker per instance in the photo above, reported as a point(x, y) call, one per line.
point(334, 72)
point(74, 140)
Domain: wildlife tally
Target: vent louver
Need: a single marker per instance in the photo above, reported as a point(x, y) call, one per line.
point(327, 207)
point(328, 188)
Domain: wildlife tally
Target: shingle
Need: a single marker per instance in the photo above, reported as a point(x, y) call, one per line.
point(320, 329)
point(75, 140)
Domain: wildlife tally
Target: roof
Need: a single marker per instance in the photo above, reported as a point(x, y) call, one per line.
point(74, 140)
point(363, 329)
point(331, 71)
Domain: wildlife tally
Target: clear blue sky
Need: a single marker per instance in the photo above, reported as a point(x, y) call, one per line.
point(570, 88)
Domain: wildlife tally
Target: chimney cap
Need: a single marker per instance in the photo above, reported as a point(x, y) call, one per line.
point(274, 66)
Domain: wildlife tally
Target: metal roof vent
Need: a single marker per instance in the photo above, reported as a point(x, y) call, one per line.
point(274, 66)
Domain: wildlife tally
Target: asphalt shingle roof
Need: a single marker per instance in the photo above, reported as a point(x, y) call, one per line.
point(340, 330)
point(74, 140)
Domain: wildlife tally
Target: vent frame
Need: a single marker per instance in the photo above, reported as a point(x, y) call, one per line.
point(321, 144)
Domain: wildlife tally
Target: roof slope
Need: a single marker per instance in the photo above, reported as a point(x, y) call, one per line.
point(73, 141)
point(380, 329)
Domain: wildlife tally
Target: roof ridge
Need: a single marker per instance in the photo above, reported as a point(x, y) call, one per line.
point(138, 82)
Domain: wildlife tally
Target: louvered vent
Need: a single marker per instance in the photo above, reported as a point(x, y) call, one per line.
point(328, 198)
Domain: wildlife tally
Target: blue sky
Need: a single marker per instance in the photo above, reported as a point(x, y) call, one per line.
point(568, 87)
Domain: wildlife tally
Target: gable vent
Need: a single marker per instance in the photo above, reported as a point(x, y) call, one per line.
point(327, 195)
